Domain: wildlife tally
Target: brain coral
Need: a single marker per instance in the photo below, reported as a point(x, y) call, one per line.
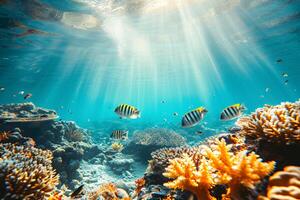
point(277, 124)
point(26, 172)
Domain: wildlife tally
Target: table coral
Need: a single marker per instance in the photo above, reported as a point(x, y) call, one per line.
point(280, 123)
point(26, 172)
point(188, 177)
point(284, 185)
point(237, 170)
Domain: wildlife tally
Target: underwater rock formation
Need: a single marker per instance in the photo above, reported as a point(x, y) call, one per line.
point(26, 172)
point(146, 141)
point(25, 112)
point(69, 143)
point(284, 185)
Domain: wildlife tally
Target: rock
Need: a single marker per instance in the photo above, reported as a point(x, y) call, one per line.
point(119, 165)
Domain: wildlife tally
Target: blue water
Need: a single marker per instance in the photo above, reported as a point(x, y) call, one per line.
point(160, 56)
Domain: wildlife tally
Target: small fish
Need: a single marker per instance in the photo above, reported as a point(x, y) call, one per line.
point(27, 96)
point(267, 89)
point(232, 112)
point(279, 60)
point(284, 74)
point(163, 101)
point(193, 117)
point(78, 193)
point(21, 93)
point(175, 114)
point(119, 134)
point(2, 88)
point(199, 132)
point(127, 111)
point(286, 82)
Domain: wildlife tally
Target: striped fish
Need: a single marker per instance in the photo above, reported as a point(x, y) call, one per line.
point(193, 117)
point(127, 111)
point(232, 112)
point(119, 135)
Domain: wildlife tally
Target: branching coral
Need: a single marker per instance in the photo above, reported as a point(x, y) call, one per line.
point(187, 177)
point(278, 124)
point(26, 172)
point(237, 170)
point(284, 185)
point(139, 183)
point(220, 165)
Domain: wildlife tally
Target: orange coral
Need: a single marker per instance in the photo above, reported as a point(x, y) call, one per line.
point(4, 136)
point(187, 177)
point(237, 170)
point(139, 185)
point(284, 185)
point(26, 172)
point(278, 124)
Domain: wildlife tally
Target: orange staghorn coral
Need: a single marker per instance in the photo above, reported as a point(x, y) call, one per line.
point(26, 172)
point(279, 124)
point(284, 185)
point(139, 183)
point(237, 170)
point(188, 177)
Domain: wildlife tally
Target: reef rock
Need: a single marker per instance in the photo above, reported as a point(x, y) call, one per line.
point(146, 141)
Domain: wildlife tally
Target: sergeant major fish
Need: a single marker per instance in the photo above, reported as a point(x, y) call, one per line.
point(232, 112)
point(127, 111)
point(193, 117)
point(119, 134)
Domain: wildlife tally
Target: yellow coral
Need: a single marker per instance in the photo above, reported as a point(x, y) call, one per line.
point(187, 177)
point(279, 123)
point(117, 146)
point(284, 185)
point(237, 170)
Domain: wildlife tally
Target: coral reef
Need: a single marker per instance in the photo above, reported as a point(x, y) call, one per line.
point(274, 132)
point(188, 176)
point(69, 143)
point(219, 165)
point(284, 185)
point(277, 124)
point(146, 141)
point(26, 172)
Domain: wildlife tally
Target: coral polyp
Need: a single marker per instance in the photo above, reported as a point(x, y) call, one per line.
point(278, 124)
point(26, 172)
